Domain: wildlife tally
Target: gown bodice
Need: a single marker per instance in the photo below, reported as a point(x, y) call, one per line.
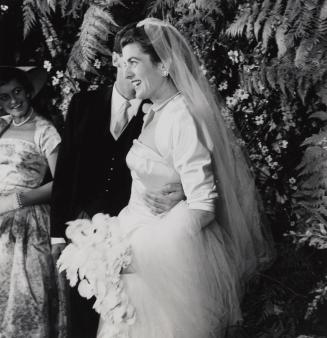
point(23, 163)
point(179, 158)
point(20, 164)
point(149, 172)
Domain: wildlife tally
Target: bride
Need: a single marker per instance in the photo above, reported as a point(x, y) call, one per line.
point(190, 264)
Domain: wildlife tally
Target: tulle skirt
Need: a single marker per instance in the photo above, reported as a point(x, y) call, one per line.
point(181, 281)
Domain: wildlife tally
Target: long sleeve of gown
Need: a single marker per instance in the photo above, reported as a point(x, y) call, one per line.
point(190, 158)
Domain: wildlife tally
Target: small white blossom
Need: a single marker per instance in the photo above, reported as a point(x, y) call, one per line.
point(274, 165)
point(4, 8)
point(283, 143)
point(231, 102)
point(235, 56)
point(66, 90)
point(47, 65)
point(264, 150)
point(259, 120)
point(60, 74)
point(97, 63)
point(292, 180)
point(223, 86)
point(55, 81)
point(241, 94)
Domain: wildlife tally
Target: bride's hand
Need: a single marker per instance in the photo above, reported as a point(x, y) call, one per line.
point(165, 199)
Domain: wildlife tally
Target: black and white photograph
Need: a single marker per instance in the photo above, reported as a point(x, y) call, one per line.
point(162, 168)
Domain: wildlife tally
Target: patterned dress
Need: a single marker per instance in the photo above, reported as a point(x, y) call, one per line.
point(29, 292)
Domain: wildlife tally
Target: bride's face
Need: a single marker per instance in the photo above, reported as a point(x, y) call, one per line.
point(145, 75)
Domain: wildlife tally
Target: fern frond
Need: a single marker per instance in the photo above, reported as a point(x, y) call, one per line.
point(306, 23)
point(77, 66)
point(252, 17)
point(281, 41)
point(292, 12)
point(272, 21)
point(71, 8)
point(157, 6)
point(52, 4)
point(322, 25)
point(43, 7)
point(210, 6)
point(29, 15)
point(50, 36)
point(265, 8)
point(271, 76)
point(96, 27)
point(238, 26)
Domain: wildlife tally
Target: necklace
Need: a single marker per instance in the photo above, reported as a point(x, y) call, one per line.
point(156, 107)
point(24, 121)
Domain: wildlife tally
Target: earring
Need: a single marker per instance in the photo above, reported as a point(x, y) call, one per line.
point(164, 73)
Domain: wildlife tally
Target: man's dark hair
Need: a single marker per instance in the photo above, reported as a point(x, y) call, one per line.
point(117, 47)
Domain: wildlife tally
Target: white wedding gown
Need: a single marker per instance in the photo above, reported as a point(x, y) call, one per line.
point(183, 282)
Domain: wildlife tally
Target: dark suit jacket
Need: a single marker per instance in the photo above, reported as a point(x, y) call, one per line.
point(88, 157)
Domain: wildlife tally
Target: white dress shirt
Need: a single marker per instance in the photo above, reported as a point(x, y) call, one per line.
point(117, 101)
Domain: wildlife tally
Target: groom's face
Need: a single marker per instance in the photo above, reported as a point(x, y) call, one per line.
point(117, 61)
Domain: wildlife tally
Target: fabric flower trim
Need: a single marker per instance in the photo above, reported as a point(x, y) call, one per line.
point(94, 260)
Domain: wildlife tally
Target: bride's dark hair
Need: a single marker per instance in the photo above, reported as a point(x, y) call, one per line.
point(137, 35)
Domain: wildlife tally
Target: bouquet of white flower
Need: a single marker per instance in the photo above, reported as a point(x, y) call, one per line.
point(95, 258)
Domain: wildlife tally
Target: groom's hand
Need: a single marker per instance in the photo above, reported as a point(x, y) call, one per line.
point(163, 200)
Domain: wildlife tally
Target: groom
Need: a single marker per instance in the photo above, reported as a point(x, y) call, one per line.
point(91, 173)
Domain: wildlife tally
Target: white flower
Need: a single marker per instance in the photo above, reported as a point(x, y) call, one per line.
point(274, 165)
point(55, 81)
point(60, 74)
point(283, 143)
point(97, 63)
point(223, 86)
point(66, 90)
point(47, 65)
point(4, 7)
point(259, 120)
point(85, 289)
point(231, 102)
point(235, 57)
point(292, 180)
point(95, 258)
point(241, 94)
point(264, 150)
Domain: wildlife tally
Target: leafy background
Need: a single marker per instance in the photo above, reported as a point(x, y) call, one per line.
point(268, 61)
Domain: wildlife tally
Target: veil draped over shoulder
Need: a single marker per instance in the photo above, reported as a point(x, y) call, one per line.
point(239, 209)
